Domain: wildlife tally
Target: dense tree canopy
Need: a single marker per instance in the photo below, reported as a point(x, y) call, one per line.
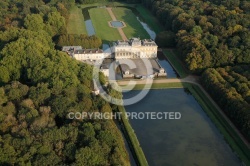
point(230, 87)
point(79, 40)
point(209, 33)
point(165, 39)
point(39, 86)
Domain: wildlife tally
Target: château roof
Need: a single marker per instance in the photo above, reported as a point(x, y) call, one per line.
point(135, 42)
point(88, 51)
point(71, 48)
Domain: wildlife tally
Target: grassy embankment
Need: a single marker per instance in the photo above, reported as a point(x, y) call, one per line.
point(176, 63)
point(100, 18)
point(133, 26)
point(132, 139)
point(76, 23)
point(156, 86)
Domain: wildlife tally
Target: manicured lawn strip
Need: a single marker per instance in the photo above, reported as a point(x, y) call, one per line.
point(100, 18)
point(229, 134)
point(76, 23)
point(158, 86)
point(150, 19)
point(176, 63)
point(132, 139)
point(133, 26)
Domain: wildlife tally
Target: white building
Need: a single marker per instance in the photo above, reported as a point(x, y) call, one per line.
point(135, 48)
point(88, 54)
point(130, 49)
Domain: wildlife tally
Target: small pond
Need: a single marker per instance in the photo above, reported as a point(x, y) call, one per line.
point(117, 24)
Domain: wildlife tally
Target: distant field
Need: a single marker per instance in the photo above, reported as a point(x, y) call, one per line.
point(76, 23)
point(133, 26)
point(100, 18)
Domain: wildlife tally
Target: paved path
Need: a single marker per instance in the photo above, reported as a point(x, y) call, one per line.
point(124, 37)
point(193, 80)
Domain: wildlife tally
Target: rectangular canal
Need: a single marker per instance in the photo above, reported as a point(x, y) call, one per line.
point(191, 140)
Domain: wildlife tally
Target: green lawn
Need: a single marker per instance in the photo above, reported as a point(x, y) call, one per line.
point(177, 64)
point(133, 26)
point(157, 86)
point(100, 18)
point(76, 23)
point(150, 19)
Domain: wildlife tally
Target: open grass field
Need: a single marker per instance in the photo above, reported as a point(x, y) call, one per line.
point(100, 18)
point(133, 26)
point(76, 23)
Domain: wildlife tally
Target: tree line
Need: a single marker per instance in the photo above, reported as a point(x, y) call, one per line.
point(79, 40)
point(230, 88)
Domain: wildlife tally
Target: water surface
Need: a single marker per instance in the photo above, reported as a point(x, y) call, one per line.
point(88, 23)
point(116, 24)
point(171, 73)
point(191, 141)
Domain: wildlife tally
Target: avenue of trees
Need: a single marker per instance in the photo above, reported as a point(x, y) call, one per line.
point(230, 88)
point(39, 86)
point(209, 33)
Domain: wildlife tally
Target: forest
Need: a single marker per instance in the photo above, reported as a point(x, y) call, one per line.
point(209, 33)
point(40, 85)
point(230, 88)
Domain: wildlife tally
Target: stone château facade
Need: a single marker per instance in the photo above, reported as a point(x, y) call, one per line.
point(130, 49)
point(135, 48)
